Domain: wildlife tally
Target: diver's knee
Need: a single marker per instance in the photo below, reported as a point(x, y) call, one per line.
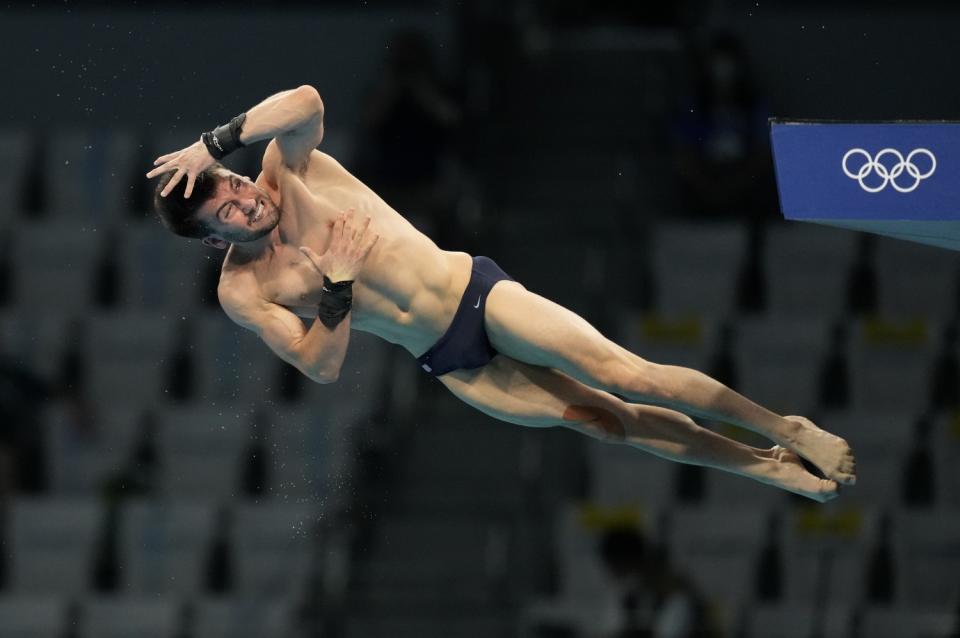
point(596, 422)
point(635, 378)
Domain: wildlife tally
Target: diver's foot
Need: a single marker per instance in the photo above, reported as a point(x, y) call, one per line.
point(828, 452)
point(788, 473)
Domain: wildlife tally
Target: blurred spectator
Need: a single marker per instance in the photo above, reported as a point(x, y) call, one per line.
point(22, 395)
point(656, 601)
point(490, 43)
point(720, 134)
point(945, 390)
point(140, 472)
point(219, 562)
point(6, 270)
point(255, 468)
point(107, 282)
point(181, 371)
point(881, 570)
point(410, 123)
point(918, 484)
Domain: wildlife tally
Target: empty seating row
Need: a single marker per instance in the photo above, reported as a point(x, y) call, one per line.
point(790, 620)
point(145, 356)
point(162, 547)
point(783, 363)
point(161, 355)
point(200, 451)
point(90, 174)
point(25, 616)
point(682, 268)
point(738, 554)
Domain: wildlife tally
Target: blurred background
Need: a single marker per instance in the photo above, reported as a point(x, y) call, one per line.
point(163, 475)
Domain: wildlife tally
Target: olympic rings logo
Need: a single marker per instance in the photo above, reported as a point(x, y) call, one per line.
point(889, 174)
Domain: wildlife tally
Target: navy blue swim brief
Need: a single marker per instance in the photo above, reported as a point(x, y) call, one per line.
point(465, 344)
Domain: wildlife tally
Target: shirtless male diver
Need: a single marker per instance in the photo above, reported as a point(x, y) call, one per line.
point(497, 346)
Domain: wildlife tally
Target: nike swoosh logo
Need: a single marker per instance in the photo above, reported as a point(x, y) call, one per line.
point(478, 302)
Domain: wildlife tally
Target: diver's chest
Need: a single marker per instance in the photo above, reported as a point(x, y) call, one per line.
point(291, 278)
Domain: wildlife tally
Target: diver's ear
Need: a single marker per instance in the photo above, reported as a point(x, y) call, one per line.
point(214, 242)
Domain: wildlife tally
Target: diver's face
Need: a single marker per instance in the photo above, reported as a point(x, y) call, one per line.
point(240, 211)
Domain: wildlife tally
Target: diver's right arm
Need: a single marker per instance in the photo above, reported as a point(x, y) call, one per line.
point(318, 352)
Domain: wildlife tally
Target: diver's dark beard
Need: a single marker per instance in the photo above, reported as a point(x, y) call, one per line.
point(249, 235)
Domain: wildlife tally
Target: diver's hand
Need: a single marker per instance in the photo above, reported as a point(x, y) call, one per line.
point(190, 161)
point(350, 243)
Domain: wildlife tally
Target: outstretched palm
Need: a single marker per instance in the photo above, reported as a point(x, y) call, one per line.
point(189, 161)
point(350, 244)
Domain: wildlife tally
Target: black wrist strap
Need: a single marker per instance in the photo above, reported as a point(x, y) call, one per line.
point(225, 139)
point(336, 300)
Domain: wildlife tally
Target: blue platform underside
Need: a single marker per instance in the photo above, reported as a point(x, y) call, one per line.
point(899, 179)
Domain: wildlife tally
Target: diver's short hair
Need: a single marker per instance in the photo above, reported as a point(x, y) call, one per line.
point(178, 213)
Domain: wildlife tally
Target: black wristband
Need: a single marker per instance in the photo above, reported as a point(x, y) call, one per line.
point(225, 139)
point(336, 300)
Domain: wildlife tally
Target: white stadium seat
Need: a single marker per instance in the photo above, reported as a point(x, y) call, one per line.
point(80, 456)
point(245, 618)
point(163, 546)
point(916, 279)
point(129, 354)
point(825, 550)
point(907, 622)
point(891, 363)
point(32, 616)
point(779, 361)
point(798, 621)
point(273, 543)
point(161, 271)
point(54, 543)
point(697, 266)
point(625, 475)
point(927, 546)
point(125, 617)
point(719, 547)
point(35, 340)
point(807, 269)
point(54, 264)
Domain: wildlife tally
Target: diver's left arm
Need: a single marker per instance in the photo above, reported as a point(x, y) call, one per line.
point(293, 117)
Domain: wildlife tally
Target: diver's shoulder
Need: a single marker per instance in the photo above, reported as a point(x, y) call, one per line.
point(321, 163)
point(273, 166)
point(238, 287)
point(238, 268)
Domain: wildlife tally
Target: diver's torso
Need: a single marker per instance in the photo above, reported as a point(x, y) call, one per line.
point(408, 289)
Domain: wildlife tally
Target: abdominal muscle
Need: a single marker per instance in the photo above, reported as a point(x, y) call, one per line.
point(408, 289)
point(411, 305)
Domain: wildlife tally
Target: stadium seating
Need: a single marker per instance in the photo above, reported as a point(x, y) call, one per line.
point(53, 545)
point(24, 616)
point(121, 617)
point(807, 269)
point(147, 472)
point(163, 547)
point(697, 266)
